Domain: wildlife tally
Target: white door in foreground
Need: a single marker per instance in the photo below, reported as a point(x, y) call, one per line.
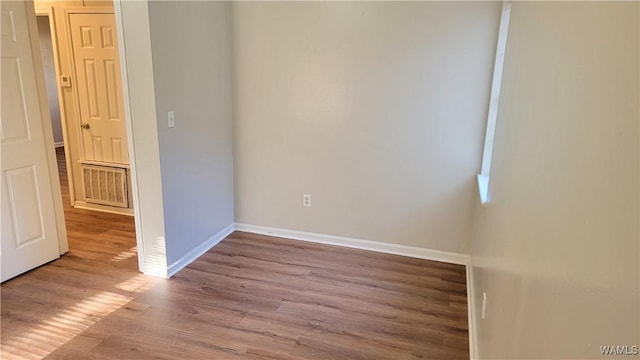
point(29, 233)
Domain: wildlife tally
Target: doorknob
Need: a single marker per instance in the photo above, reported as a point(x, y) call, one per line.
point(85, 126)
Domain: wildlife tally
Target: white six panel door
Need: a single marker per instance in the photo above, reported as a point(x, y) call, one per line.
point(97, 71)
point(29, 233)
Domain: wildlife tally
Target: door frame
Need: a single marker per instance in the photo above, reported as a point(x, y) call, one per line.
point(142, 137)
point(63, 243)
point(49, 12)
point(147, 199)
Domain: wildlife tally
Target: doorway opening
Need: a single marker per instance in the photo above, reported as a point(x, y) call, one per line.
point(95, 189)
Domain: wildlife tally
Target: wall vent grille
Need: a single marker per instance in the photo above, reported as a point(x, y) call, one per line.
point(105, 185)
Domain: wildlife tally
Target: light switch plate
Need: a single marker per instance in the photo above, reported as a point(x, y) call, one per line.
point(171, 119)
point(65, 81)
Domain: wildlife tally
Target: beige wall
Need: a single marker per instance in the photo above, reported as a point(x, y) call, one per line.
point(557, 248)
point(192, 77)
point(375, 109)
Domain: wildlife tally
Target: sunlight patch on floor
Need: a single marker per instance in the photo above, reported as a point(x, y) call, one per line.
point(125, 254)
point(49, 335)
point(138, 284)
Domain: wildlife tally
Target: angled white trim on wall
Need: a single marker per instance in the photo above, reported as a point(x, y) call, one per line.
point(395, 249)
point(492, 116)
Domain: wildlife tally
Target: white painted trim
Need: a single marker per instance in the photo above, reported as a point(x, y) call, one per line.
point(58, 144)
point(483, 188)
point(396, 249)
point(471, 311)
point(134, 46)
point(494, 100)
point(135, 199)
point(48, 11)
point(103, 208)
point(102, 163)
point(199, 250)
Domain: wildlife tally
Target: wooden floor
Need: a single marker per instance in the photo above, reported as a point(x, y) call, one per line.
point(251, 297)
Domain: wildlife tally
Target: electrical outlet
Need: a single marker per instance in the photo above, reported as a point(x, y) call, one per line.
point(484, 304)
point(306, 200)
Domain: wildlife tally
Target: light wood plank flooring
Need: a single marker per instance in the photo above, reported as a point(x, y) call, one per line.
point(251, 297)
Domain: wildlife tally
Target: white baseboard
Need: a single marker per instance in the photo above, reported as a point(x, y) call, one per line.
point(404, 250)
point(471, 314)
point(410, 251)
point(58, 144)
point(103, 208)
point(192, 255)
